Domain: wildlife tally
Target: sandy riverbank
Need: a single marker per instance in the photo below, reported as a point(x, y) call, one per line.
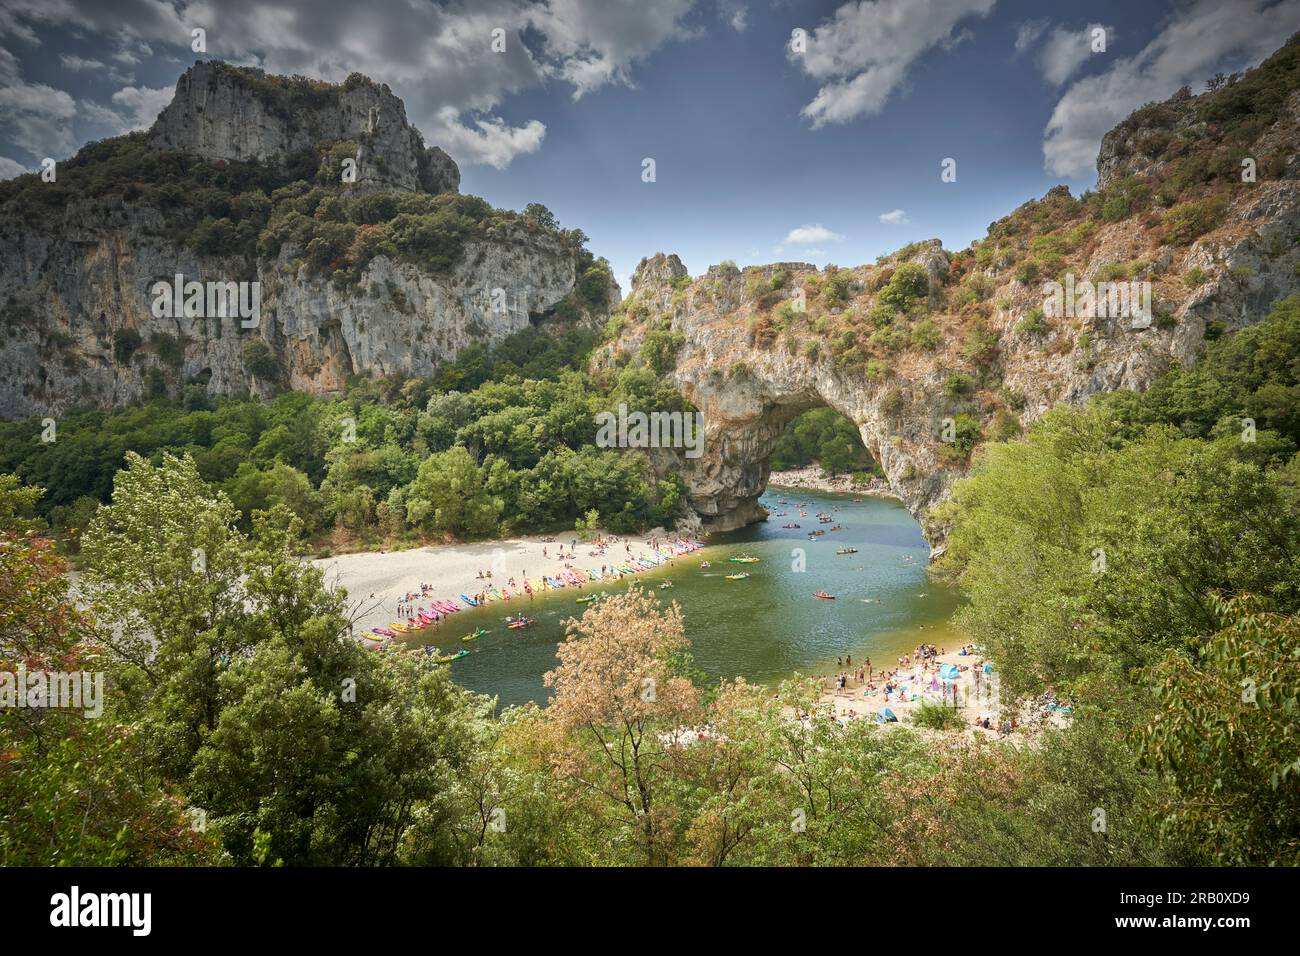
point(811, 479)
point(377, 581)
point(978, 694)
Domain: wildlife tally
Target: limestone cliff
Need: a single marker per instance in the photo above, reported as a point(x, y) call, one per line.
point(930, 352)
point(223, 113)
point(240, 180)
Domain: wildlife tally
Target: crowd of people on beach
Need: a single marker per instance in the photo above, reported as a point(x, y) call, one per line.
point(913, 675)
point(411, 604)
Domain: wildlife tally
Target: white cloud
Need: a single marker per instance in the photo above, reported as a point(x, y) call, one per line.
point(895, 217)
point(862, 54)
point(76, 64)
point(142, 104)
point(593, 42)
point(735, 13)
point(1206, 36)
point(1065, 50)
point(9, 168)
point(806, 235)
point(492, 142)
point(38, 115)
point(1027, 34)
point(101, 115)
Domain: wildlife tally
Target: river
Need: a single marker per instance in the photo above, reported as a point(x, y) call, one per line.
point(765, 628)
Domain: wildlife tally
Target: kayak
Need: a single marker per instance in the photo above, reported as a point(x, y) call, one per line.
point(846, 551)
point(477, 634)
point(738, 577)
point(469, 600)
point(585, 600)
point(522, 622)
point(453, 657)
point(744, 559)
point(824, 596)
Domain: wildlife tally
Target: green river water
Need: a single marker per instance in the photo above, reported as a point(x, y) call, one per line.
point(764, 629)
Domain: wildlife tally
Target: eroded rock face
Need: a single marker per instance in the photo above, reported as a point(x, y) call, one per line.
point(85, 288)
point(980, 346)
point(77, 288)
point(222, 112)
point(749, 390)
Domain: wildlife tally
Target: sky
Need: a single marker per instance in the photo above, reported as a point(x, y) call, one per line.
point(779, 130)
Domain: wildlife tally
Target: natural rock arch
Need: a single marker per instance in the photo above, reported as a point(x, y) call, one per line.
point(748, 396)
point(749, 388)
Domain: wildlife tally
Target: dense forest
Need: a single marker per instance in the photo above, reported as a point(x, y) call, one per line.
point(1139, 556)
point(499, 439)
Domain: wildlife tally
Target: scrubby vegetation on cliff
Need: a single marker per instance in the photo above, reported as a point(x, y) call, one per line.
point(251, 210)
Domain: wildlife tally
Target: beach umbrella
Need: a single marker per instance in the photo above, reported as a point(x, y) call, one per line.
point(948, 672)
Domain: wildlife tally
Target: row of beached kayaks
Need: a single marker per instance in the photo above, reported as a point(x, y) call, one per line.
point(567, 578)
point(425, 617)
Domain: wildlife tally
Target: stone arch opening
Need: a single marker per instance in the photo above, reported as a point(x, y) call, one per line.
point(826, 445)
point(745, 417)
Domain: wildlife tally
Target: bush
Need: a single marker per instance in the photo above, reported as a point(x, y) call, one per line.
point(1033, 324)
point(660, 349)
point(1027, 271)
point(838, 288)
point(958, 385)
point(1190, 220)
point(125, 344)
point(259, 360)
point(980, 344)
point(925, 335)
point(910, 281)
point(937, 717)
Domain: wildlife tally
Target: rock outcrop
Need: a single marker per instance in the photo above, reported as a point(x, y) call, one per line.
point(226, 113)
point(976, 355)
point(77, 275)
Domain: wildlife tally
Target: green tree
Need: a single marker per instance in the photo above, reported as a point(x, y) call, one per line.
point(448, 495)
point(1225, 736)
point(163, 565)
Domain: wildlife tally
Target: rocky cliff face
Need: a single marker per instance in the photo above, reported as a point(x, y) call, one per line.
point(77, 322)
point(399, 319)
point(976, 354)
point(225, 113)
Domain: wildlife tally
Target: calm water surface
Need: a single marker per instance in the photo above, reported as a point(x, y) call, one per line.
point(764, 629)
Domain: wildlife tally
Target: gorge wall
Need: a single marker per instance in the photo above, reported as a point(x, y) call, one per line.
point(240, 180)
point(930, 352)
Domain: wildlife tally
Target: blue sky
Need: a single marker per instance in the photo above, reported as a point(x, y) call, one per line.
point(762, 152)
